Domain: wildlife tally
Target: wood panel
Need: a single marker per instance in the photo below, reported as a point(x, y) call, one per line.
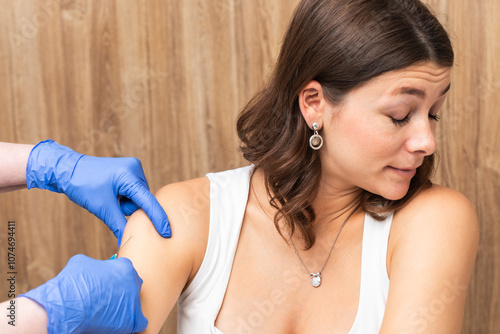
point(164, 81)
point(468, 144)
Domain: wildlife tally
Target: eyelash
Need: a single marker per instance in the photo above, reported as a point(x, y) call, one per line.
point(435, 117)
point(404, 121)
point(401, 122)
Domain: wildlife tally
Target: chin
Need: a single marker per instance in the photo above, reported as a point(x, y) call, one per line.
point(394, 197)
point(395, 193)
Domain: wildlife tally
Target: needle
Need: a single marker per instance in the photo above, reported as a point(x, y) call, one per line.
point(116, 255)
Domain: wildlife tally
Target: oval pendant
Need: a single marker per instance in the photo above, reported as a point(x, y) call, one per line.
point(316, 279)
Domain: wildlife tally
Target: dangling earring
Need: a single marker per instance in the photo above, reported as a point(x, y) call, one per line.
point(316, 141)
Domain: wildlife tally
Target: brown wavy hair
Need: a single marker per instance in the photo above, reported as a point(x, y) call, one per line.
point(341, 44)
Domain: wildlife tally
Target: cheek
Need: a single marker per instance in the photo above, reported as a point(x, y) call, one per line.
point(366, 142)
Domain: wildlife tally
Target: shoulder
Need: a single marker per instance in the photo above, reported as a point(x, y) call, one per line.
point(187, 205)
point(438, 199)
point(188, 200)
point(437, 211)
point(432, 249)
point(437, 216)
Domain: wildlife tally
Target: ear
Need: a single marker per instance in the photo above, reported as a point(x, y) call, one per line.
point(312, 103)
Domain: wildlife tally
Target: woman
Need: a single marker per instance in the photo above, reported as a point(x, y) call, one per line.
point(336, 227)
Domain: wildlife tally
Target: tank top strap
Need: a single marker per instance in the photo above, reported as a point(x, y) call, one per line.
point(374, 278)
point(202, 299)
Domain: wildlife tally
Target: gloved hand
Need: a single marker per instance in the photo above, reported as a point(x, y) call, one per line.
point(108, 187)
point(92, 296)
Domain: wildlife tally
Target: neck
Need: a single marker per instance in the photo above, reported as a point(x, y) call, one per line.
point(333, 205)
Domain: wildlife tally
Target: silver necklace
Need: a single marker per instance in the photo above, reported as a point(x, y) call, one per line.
point(316, 277)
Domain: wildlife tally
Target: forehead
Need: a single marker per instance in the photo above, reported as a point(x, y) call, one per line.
point(425, 81)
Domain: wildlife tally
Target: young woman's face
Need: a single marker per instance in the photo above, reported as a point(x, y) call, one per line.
point(382, 131)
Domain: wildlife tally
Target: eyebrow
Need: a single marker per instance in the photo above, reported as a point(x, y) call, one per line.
point(418, 92)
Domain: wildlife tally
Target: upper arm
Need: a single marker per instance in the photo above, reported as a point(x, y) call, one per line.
point(167, 265)
point(435, 240)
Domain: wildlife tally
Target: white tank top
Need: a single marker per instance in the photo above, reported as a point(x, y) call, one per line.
point(199, 305)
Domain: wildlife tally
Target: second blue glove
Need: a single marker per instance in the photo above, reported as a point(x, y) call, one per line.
point(92, 296)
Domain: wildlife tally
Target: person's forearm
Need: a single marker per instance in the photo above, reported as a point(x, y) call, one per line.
point(13, 160)
point(24, 316)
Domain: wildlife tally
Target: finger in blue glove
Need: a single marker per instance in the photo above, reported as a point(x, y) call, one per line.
point(110, 188)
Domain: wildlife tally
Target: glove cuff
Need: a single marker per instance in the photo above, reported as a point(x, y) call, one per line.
point(50, 166)
point(64, 316)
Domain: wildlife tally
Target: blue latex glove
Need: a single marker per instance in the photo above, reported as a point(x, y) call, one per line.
point(108, 187)
point(92, 296)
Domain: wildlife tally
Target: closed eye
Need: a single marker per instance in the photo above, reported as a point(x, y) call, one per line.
point(401, 122)
point(434, 117)
point(404, 121)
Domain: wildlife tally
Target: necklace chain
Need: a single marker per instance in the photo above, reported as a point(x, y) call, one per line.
point(316, 278)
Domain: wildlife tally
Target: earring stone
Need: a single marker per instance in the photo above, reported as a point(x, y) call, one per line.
point(316, 141)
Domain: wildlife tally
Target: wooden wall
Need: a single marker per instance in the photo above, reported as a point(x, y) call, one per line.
point(164, 81)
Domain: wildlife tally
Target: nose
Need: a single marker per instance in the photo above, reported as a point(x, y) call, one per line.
point(422, 139)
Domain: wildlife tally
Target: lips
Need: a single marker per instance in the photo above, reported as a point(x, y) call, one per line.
point(405, 172)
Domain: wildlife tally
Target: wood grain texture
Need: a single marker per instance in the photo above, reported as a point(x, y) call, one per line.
point(165, 80)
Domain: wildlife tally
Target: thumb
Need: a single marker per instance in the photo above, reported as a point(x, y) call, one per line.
point(78, 260)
